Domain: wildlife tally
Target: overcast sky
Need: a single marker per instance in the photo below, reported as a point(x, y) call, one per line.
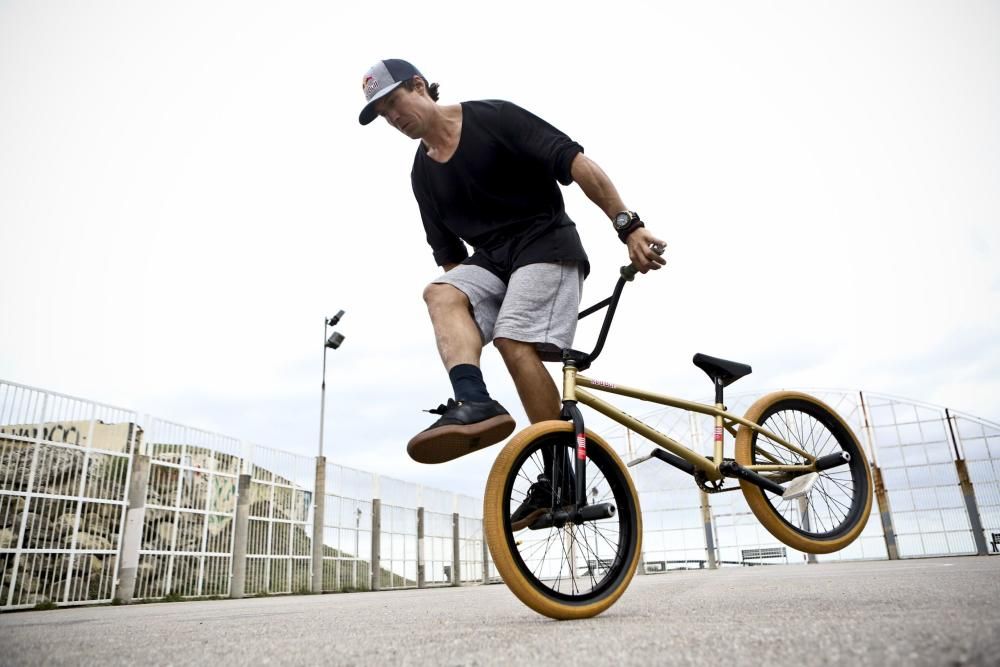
point(185, 193)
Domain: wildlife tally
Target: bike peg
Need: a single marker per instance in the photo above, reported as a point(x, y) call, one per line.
point(639, 460)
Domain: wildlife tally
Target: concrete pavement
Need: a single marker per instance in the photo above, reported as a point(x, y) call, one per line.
point(914, 612)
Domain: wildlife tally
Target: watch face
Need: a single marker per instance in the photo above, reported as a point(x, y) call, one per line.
point(622, 220)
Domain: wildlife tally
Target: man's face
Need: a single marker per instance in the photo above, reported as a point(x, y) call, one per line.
point(405, 110)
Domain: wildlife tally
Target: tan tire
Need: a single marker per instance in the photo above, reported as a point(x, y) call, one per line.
point(840, 501)
point(609, 564)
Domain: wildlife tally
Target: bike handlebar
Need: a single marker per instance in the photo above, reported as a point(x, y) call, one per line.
point(627, 274)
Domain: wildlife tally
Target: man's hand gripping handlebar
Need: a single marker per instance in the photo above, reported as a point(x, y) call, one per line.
point(628, 272)
point(645, 250)
point(583, 360)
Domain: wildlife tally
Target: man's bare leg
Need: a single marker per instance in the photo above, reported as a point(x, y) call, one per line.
point(539, 395)
point(458, 339)
point(473, 420)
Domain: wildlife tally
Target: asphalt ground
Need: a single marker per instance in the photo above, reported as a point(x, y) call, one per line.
point(913, 612)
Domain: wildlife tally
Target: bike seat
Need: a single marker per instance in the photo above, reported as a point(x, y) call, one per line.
point(722, 370)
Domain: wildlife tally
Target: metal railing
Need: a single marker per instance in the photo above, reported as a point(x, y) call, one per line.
point(98, 503)
point(937, 487)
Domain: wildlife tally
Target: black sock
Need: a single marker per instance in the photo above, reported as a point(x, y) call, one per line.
point(467, 381)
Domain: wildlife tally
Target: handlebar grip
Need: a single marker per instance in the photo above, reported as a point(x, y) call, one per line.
point(628, 272)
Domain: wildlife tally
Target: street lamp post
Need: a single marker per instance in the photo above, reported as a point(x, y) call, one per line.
point(319, 492)
point(333, 342)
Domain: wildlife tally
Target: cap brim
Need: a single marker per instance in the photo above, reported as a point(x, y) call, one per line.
point(368, 113)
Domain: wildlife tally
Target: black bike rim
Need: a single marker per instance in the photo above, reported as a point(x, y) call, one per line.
point(615, 548)
point(834, 485)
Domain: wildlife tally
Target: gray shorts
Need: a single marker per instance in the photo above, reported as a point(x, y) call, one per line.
point(539, 305)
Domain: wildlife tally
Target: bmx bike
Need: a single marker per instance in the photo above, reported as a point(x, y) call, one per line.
point(561, 513)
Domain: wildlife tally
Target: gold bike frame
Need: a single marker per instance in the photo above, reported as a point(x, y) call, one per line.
point(573, 381)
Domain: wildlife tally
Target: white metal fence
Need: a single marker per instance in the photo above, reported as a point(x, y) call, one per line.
point(66, 467)
point(187, 539)
point(64, 475)
point(926, 507)
point(279, 549)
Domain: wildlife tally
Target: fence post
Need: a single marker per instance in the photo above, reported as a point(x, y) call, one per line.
point(241, 527)
point(968, 492)
point(128, 562)
point(421, 571)
point(319, 509)
point(885, 512)
point(486, 558)
point(376, 544)
point(456, 575)
point(706, 518)
point(971, 507)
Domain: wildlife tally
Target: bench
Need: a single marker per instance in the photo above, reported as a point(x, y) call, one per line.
point(594, 566)
point(766, 552)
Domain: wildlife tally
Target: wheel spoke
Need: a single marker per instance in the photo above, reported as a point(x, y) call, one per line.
point(832, 503)
point(590, 556)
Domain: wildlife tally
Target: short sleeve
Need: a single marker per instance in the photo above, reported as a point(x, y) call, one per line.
point(540, 141)
point(446, 245)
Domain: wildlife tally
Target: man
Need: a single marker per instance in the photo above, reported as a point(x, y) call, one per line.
point(486, 173)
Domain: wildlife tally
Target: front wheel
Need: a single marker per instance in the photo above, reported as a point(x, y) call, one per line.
point(835, 510)
point(556, 566)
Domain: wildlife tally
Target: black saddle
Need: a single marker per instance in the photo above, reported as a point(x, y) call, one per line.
point(721, 370)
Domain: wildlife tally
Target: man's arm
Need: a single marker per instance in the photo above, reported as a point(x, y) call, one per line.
point(600, 190)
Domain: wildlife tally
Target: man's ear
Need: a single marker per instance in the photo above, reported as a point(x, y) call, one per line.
point(419, 87)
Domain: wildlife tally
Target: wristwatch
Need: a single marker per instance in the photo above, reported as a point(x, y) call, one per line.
point(627, 222)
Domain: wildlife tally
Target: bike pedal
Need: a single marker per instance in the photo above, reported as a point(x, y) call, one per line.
point(800, 486)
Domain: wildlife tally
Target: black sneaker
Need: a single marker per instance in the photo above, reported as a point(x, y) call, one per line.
point(537, 503)
point(464, 427)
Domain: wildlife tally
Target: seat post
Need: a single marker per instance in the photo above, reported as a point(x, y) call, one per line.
point(717, 436)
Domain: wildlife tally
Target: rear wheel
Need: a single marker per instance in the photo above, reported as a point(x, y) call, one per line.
point(560, 568)
point(835, 510)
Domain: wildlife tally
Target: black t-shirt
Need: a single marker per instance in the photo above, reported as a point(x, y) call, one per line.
point(499, 192)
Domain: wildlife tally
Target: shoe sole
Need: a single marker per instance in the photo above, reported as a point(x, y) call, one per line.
point(526, 521)
point(446, 443)
point(532, 518)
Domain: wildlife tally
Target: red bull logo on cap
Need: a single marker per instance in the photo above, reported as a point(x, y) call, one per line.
point(369, 85)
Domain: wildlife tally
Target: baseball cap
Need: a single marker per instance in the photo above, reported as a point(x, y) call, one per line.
point(383, 78)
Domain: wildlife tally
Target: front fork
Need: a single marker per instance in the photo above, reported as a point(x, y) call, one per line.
point(577, 479)
point(577, 470)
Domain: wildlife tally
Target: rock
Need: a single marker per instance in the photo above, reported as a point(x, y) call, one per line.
point(16, 464)
point(65, 523)
point(165, 531)
point(8, 539)
point(87, 542)
point(10, 513)
point(100, 525)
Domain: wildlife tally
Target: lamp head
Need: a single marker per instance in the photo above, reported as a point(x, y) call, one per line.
point(332, 321)
point(335, 340)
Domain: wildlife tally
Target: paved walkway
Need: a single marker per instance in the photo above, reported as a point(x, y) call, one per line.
point(917, 612)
